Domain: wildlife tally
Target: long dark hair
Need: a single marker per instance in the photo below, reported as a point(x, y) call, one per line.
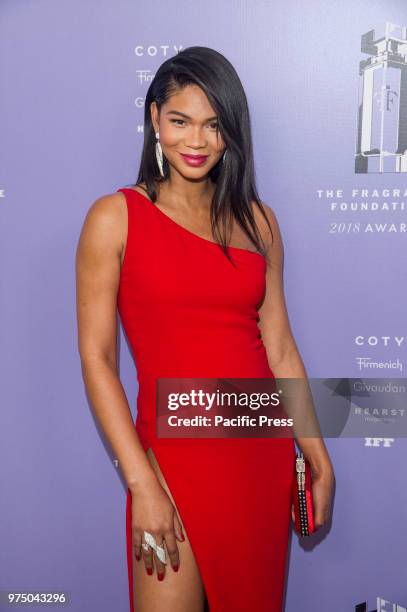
point(234, 178)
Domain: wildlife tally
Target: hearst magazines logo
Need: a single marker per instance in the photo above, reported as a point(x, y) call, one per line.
point(381, 143)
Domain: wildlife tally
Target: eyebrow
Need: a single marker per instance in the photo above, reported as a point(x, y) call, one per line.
point(175, 112)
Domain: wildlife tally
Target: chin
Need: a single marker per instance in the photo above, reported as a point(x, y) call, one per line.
point(189, 172)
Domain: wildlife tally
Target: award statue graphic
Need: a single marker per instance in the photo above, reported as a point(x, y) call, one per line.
point(382, 109)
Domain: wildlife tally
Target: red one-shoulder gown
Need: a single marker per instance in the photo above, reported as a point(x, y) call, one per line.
point(188, 312)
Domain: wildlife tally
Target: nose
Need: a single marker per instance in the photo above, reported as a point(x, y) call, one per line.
point(196, 138)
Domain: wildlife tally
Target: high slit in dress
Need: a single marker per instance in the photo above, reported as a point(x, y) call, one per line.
point(188, 312)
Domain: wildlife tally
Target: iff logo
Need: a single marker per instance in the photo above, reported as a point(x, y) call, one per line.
point(382, 606)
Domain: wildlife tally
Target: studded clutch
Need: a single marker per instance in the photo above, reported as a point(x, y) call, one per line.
point(302, 496)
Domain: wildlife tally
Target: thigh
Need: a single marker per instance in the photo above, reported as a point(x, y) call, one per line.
point(183, 590)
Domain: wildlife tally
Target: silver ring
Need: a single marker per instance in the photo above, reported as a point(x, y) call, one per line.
point(161, 554)
point(159, 549)
point(149, 539)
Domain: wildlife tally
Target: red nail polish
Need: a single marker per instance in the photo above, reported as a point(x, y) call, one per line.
point(138, 558)
point(149, 571)
point(182, 537)
point(160, 576)
point(175, 568)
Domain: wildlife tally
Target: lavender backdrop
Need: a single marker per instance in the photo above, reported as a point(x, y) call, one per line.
point(74, 76)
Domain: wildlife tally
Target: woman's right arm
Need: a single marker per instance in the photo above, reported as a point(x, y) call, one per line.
point(97, 281)
point(98, 262)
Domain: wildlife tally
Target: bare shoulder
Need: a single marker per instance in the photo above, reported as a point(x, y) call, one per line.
point(108, 209)
point(105, 226)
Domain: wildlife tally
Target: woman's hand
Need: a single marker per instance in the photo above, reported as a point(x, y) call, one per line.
point(153, 511)
point(322, 490)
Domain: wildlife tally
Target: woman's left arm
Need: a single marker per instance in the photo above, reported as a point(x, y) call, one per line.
point(285, 361)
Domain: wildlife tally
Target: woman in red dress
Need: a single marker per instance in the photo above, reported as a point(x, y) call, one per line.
point(192, 260)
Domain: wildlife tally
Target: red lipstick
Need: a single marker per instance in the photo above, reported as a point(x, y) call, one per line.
point(194, 160)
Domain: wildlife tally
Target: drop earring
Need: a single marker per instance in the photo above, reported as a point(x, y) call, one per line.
point(223, 157)
point(159, 154)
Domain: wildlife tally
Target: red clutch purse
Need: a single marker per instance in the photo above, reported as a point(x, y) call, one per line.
point(302, 496)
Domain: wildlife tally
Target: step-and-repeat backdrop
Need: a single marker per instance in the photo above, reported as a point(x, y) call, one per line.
point(327, 88)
